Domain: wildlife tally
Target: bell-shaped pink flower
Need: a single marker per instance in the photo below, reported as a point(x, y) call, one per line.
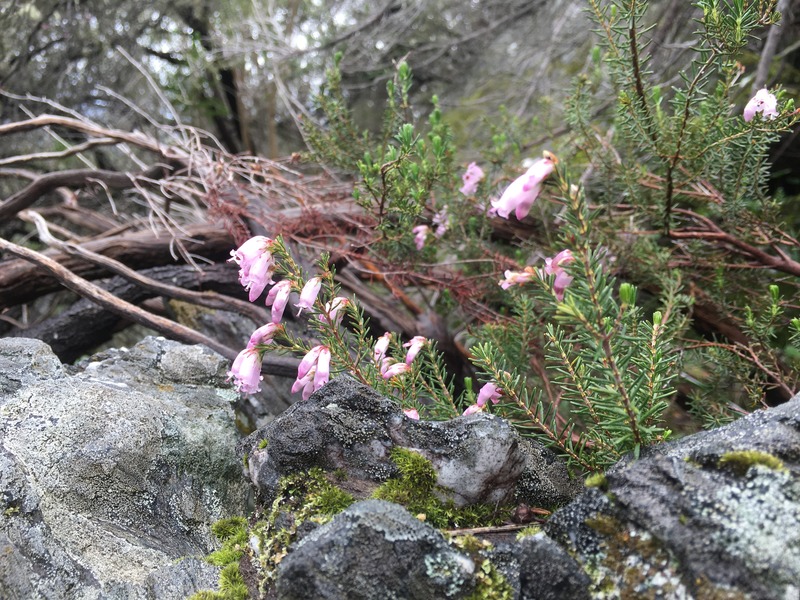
point(305, 383)
point(442, 222)
point(523, 191)
point(489, 391)
point(313, 371)
point(246, 371)
point(309, 294)
point(391, 368)
point(381, 346)
point(308, 361)
point(411, 413)
point(323, 372)
point(552, 266)
point(263, 335)
point(420, 234)
point(414, 346)
point(471, 178)
point(256, 264)
point(278, 297)
point(516, 277)
point(555, 266)
point(334, 310)
point(763, 102)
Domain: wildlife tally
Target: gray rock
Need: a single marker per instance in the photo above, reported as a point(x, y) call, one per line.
point(681, 523)
point(24, 361)
point(346, 425)
point(114, 473)
point(375, 549)
point(547, 572)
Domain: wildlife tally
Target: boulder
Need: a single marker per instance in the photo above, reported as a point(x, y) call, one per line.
point(113, 472)
point(348, 426)
point(714, 515)
point(375, 549)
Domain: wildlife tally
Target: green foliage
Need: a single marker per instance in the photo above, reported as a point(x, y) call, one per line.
point(398, 169)
point(416, 490)
point(671, 222)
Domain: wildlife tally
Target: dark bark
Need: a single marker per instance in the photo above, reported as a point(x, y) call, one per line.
point(21, 282)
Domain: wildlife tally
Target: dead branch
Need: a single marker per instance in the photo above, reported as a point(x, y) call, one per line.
point(108, 301)
point(74, 178)
point(207, 299)
point(21, 281)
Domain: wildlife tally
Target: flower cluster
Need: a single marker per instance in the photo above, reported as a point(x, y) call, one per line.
point(391, 367)
point(256, 264)
point(421, 232)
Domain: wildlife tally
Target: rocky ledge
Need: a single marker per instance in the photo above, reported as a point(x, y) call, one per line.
point(113, 472)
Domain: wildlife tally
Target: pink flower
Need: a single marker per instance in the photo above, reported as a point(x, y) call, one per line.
point(523, 191)
point(554, 266)
point(333, 309)
point(263, 335)
point(414, 346)
point(420, 233)
point(246, 371)
point(516, 277)
point(381, 346)
point(323, 372)
point(305, 383)
point(256, 264)
point(309, 361)
point(411, 413)
point(471, 410)
point(391, 368)
point(471, 178)
point(277, 298)
point(309, 294)
point(489, 392)
point(442, 222)
point(313, 371)
point(763, 102)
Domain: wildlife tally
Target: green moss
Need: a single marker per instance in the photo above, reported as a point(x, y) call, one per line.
point(233, 535)
point(739, 461)
point(528, 531)
point(263, 443)
point(597, 480)
point(308, 496)
point(231, 584)
point(490, 584)
point(415, 490)
point(206, 595)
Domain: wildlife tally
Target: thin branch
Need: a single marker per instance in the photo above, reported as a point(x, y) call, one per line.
point(98, 295)
point(207, 299)
point(70, 178)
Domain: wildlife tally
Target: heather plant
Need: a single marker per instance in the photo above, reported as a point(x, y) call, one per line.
point(595, 272)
